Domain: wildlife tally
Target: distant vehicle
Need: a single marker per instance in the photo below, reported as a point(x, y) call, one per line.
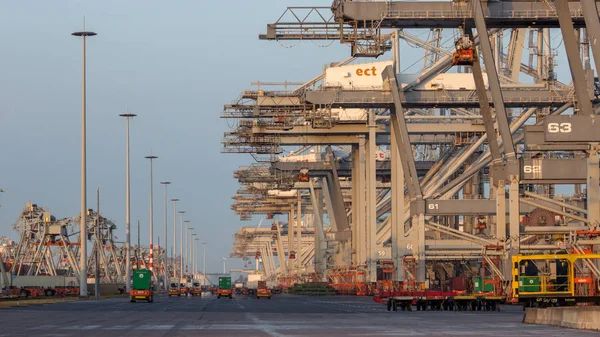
point(142, 286)
point(183, 289)
point(196, 289)
point(263, 291)
point(174, 287)
point(224, 287)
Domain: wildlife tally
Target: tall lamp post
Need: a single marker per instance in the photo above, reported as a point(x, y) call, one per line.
point(83, 208)
point(196, 255)
point(193, 254)
point(174, 251)
point(181, 213)
point(127, 116)
point(166, 276)
point(188, 245)
point(151, 263)
point(204, 261)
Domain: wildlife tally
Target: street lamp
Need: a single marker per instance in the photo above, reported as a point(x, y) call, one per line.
point(151, 265)
point(174, 235)
point(166, 244)
point(127, 116)
point(181, 213)
point(83, 208)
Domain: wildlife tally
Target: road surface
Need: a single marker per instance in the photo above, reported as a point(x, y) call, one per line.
point(283, 315)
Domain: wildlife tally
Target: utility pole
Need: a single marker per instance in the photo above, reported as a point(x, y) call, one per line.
point(83, 209)
point(127, 116)
point(166, 245)
point(174, 251)
point(150, 264)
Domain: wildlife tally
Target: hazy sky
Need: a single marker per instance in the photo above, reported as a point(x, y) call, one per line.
point(174, 64)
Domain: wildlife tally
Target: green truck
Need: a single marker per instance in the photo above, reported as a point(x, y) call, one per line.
point(142, 286)
point(225, 287)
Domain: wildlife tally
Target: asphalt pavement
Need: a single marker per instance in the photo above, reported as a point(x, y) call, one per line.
point(283, 315)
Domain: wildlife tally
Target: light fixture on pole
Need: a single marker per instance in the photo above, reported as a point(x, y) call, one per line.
point(127, 116)
point(83, 209)
point(174, 251)
point(166, 276)
point(151, 257)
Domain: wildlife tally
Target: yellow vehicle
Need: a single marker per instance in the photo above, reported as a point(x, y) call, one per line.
point(556, 279)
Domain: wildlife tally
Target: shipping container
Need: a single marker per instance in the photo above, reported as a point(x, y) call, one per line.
point(141, 279)
point(224, 282)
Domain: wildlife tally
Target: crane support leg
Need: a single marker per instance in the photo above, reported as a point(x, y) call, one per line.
point(572, 48)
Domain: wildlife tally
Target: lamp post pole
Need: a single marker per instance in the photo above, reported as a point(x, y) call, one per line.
point(181, 213)
point(166, 273)
point(127, 116)
point(174, 251)
point(151, 257)
point(196, 255)
point(187, 249)
point(204, 261)
point(83, 209)
point(193, 254)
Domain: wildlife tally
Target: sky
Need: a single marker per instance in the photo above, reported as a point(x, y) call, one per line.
point(174, 65)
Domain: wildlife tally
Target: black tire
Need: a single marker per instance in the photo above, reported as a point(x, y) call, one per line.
point(150, 299)
point(48, 292)
point(269, 297)
point(24, 293)
point(218, 296)
point(258, 297)
point(178, 295)
point(230, 297)
point(132, 299)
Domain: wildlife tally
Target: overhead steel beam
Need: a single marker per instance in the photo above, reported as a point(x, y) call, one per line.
point(361, 128)
point(428, 99)
point(446, 14)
